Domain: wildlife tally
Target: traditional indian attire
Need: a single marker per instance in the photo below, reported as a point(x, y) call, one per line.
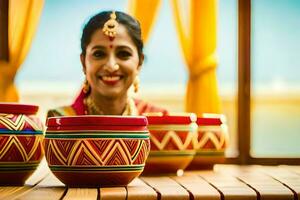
point(78, 107)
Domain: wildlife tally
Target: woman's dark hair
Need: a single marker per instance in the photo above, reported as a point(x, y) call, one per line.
point(97, 21)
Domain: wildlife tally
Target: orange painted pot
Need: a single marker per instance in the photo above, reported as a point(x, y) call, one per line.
point(92, 151)
point(210, 144)
point(171, 143)
point(21, 135)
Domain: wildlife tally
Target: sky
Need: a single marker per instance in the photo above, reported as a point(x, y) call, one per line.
point(54, 55)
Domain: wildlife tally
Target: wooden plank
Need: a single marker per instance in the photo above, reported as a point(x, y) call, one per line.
point(137, 189)
point(49, 188)
point(10, 192)
point(167, 188)
point(113, 193)
point(295, 169)
point(266, 186)
point(286, 177)
point(45, 193)
point(230, 187)
point(81, 193)
point(198, 187)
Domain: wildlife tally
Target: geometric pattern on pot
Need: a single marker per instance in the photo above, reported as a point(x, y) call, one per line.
point(210, 138)
point(96, 152)
point(20, 148)
point(180, 140)
point(19, 122)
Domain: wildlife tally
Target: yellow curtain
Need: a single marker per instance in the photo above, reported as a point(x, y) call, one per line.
point(145, 11)
point(196, 26)
point(23, 19)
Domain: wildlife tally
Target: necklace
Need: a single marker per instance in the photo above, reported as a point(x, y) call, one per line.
point(92, 109)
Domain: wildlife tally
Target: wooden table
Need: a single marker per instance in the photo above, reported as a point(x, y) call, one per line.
point(224, 182)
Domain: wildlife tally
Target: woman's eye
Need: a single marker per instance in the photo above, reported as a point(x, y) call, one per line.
point(99, 54)
point(123, 54)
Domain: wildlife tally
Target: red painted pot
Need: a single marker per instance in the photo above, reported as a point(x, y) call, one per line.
point(92, 151)
point(211, 142)
point(171, 143)
point(21, 135)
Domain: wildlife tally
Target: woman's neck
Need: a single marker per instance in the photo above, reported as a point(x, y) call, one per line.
point(109, 106)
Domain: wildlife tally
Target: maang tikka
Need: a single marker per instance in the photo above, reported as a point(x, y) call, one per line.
point(110, 26)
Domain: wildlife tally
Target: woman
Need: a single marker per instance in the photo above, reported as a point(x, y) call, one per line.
point(111, 57)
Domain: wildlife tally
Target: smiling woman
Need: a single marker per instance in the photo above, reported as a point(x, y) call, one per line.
point(111, 58)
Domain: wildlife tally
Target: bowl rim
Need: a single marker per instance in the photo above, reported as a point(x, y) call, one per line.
point(171, 119)
point(18, 108)
point(209, 121)
point(96, 120)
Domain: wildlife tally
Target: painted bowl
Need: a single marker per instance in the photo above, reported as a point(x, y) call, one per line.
point(211, 142)
point(21, 136)
point(92, 151)
point(171, 143)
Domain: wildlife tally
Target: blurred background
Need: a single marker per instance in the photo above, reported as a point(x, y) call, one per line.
point(51, 74)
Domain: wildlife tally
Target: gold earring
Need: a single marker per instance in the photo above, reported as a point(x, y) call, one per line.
point(86, 87)
point(136, 84)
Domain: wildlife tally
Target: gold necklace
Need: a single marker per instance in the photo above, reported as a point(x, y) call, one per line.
point(93, 109)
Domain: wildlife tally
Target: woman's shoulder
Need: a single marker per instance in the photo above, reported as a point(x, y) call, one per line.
point(145, 107)
point(61, 111)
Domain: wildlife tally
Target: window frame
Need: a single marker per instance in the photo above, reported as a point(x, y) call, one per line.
point(244, 95)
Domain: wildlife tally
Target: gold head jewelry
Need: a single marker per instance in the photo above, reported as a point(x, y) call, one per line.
point(110, 26)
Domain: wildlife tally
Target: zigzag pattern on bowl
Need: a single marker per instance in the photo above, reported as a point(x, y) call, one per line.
point(171, 140)
point(210, 140)
point(96, 152)
point(20, 148)
point(11, 123)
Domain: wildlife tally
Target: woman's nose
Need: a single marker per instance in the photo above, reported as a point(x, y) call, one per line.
point(111, 65)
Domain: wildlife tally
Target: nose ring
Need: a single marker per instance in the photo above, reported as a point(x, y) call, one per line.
point(116, 67)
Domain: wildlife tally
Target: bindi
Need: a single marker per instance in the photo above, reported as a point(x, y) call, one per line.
point(111, 39)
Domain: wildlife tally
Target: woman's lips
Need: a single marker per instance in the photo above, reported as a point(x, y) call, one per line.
point(111, 79)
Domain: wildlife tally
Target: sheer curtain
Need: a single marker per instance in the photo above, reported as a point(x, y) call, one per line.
point(196, 27)
point(145, 11)
point(23, 20)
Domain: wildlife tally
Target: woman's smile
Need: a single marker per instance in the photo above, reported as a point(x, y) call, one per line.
point(110, 79)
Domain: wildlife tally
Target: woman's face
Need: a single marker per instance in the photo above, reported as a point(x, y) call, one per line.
point(111, 65)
